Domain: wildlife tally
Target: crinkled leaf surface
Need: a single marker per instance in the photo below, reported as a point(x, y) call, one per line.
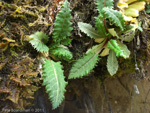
point(89, 30)
point(112, 63)
point(115, 17)
point(66, 41)
point(62, 25)
point(54, 82)
point(124, 48)
point(83, 66)
point(113, 45)
point(62, 52)
point(100, 27)
point(38, 41)
point(104, 3)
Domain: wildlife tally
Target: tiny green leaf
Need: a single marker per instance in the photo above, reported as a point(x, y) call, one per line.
point(139, 26)
point(89, 30)
point(83, 66)
point(38, 41)
point(54, 82)
point(112, 63)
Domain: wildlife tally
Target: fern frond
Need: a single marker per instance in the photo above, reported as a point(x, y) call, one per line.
point(54, 45)
point(62, 52)
point(62, 25)
point(112, 63)
point(113, 45)
point(100, 27)
point(54, 82)
point(89, 30)
point(38, 41)
point(66, 41)
point(83, 66)
point(103, 3)
point(115, 17)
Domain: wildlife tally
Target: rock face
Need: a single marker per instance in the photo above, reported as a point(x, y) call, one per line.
point(116, 95)
point(123, 94)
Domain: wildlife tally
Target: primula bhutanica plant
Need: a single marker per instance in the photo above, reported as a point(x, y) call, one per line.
point(110, 34)
point(52, 72)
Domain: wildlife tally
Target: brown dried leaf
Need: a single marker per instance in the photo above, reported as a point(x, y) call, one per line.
point(14, 44)
point(15, 96)
point(20, 103)
point(17, 80)
point(24, 83)
point(3, 63)
point(8, 40)
point(5, 90)
point(32, 73)
point(3, 46)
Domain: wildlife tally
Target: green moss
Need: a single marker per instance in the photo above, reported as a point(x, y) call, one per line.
point(6, 29)
point(2, 24)
point(13, 53)
point(126, 66)
point(2, 57)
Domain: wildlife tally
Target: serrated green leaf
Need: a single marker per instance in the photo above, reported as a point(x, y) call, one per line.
point(112, 63)
point(100, 27)
point(54, 82)
point(104, 3)
point(124, 48)
point(113, 45)
point(53, 45)
point(83, 66)
point(62, 52)
point(62, 25)
point(89, 30)
point(38, 41)
point(115, 17)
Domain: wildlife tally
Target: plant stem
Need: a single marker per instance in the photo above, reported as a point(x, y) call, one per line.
point(98, 51)
point(104, 21)
point(102, 46)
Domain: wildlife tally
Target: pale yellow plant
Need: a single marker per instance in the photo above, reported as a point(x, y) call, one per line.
point(130, 10)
